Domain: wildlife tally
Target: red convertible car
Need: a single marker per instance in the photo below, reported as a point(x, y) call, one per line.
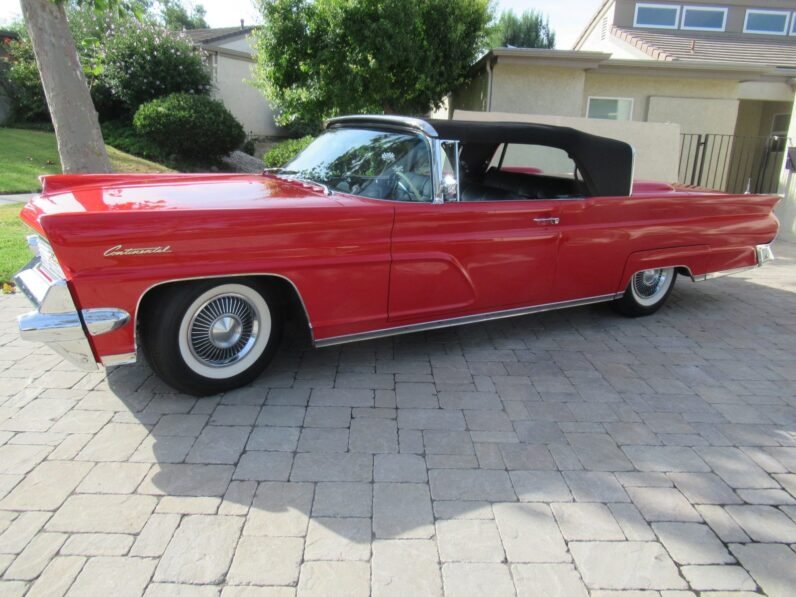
point(383, 225)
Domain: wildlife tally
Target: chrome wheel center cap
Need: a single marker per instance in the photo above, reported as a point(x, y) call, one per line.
point(649, 277)
point(226, 331)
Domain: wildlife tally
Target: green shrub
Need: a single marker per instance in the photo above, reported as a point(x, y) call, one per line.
point(23, 76)
point(283, 152)
point(189, 126)
point(121, 135)
point(143, 61)
point(248, 147)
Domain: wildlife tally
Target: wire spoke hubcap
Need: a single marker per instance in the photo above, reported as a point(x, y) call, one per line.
point(649, 286)
point(223, 330)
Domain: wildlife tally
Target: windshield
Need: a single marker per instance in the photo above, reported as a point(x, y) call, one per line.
point(368, 162)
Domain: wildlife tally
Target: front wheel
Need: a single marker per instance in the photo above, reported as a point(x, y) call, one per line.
point(211, 337)
point(646, 292)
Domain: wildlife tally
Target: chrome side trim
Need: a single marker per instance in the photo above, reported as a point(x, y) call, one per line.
point(463, 320)
point(763, 253)
point(102, 321)
point(722, 273)
point(114, 360)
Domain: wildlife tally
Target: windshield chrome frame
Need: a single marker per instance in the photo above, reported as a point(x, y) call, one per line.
point(408, 124)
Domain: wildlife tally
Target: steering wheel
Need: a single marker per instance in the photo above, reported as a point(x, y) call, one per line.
point(406, 185)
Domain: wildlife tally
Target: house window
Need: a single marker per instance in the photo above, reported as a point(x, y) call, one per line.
point(698, 18)
point(779, 124)
point(610, 108)
point(657, 16)
point(772, 22)
point(793, 24)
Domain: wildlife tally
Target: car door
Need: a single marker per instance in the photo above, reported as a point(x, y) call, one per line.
point(460, 258)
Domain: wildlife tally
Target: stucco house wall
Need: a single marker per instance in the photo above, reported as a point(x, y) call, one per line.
point(245, 102)
point(697, 105)
point(231, 58)
point(539, 90)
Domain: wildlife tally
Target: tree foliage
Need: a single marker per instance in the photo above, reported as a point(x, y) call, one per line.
point(531, 29)
point(317, 59)
point(126, 62)
point(143, 61)
point(176, 16)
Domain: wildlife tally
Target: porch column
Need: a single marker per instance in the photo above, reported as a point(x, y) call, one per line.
point(786, 210)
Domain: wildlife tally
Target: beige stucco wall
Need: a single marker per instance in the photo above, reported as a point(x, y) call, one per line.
point(641, 89)
point(695, 115)
point(473, 95)
point(537, 90)
point(749, 115)
point(245, 102)
point(657, 145)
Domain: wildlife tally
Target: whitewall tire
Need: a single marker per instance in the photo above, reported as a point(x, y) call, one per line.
point(646, 292)
point(209, 337)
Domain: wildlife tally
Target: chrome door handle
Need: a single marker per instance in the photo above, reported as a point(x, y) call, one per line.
point(546, 220)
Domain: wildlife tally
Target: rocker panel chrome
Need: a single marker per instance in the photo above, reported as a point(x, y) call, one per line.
point(463, 320)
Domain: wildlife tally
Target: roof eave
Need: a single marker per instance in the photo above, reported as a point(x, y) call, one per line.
point(711, 70)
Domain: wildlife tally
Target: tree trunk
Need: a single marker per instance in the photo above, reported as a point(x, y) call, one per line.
point(75, 120)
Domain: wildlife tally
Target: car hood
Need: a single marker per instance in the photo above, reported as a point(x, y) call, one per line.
point(96, 193)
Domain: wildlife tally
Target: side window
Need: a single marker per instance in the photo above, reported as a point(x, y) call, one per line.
point(533, 159)
point(524, 171)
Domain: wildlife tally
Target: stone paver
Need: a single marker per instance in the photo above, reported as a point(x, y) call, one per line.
point(200, 551)
point(626, 565)
point(772, 566)
point(690, 543)
point(563, 454)
point(391, 561)
point(473, 580)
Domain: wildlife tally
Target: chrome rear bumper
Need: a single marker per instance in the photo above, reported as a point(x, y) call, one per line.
point(763, 254)
point(56, 321)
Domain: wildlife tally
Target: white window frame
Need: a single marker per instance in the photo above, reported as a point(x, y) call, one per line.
point(607, 97)
point(676, 7)
point(792, 28)
point(703, 9)
point(781, 13)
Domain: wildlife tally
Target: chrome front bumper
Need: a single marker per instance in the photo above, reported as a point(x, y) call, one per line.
point(56, 321)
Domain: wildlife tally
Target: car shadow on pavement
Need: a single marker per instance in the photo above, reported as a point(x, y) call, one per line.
point(518, 440)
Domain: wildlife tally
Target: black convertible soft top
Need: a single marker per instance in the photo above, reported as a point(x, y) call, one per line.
point(606, 165)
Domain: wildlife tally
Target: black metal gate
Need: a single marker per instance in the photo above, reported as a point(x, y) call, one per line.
point(732, 163)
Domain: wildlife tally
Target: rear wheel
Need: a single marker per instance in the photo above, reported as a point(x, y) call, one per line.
point(646, 292)
point(211, 337)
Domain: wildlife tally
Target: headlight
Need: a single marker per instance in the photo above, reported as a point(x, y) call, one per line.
point(33, 243)
point(48, 260)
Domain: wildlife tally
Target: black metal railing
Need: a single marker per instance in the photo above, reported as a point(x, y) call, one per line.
point(732, 163)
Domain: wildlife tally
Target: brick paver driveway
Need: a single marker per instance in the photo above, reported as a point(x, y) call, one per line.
point(560, 454)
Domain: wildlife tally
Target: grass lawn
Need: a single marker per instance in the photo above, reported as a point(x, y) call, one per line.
point(27, 154)
point(14, 252)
